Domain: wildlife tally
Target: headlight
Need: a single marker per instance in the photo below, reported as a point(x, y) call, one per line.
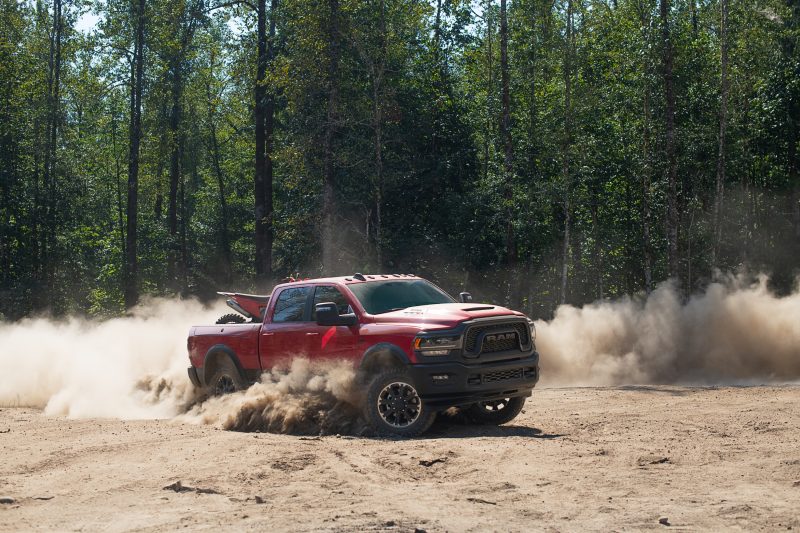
point(533, 329)
point(437, 345)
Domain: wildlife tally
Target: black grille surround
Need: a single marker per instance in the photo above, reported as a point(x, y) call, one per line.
point(499, 336)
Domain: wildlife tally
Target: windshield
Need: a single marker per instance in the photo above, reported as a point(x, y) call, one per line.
point(384, 296)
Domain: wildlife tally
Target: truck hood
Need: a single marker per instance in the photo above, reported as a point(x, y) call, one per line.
point(444, 315)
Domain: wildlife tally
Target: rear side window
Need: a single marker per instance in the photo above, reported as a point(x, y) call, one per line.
point(329, 293)
point(291, 305)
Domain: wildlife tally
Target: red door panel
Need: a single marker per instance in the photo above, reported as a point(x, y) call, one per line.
point(283, 336)
point(332, 342)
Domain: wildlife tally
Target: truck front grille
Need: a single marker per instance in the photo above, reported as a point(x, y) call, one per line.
point(528, 372)
point(503, 375)
point(497, 343)
point(491, 345)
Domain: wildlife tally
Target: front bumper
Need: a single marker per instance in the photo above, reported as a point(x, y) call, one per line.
point(449, 384)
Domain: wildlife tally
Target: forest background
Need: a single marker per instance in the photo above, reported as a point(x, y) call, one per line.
point(535, 152)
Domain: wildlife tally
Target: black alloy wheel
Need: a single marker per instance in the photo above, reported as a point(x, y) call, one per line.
point(495, 412)
point(399, 404)
point(394, 407)
point(225, 379)
point(224, 385)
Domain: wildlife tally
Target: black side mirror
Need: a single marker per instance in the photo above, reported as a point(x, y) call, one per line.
point(328, 315)
point(465, 297)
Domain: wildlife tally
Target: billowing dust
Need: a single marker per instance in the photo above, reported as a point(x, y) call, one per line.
point(305, 398)
point(735, 332)
point(135, 367)
point(129, 367)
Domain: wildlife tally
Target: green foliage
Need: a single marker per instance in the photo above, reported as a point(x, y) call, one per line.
point(418, 168)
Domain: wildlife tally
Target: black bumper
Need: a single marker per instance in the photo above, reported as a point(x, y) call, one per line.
point(449, 384)
point(196, 376)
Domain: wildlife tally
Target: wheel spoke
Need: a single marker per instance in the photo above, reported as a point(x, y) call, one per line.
point(224, 385)
point(399, 404)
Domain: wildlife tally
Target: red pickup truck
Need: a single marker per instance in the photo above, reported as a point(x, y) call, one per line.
point(417, 349)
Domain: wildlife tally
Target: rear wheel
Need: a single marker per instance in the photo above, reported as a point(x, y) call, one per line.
point(495, 412)
point(393, 406)
point(225, 379)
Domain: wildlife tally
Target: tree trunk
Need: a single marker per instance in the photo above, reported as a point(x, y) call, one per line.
point(439, 76)
point(646, 176)
point(565, 156)
point(264, 110)
point(647, 249)
point(378, 140)
point(487, 134)
point(597, 249)
point(723, 124)
point(672, 162)
point(329, 246)
point(378, 71)
point(789, 45)
point(506, 136)
point(131, 286)
point(53, 104)
point(117, 174)
point(437, 26)
point(532, 111)
point(176, 150)
point(35, 217)
point(223, 202)
point(183, 263)
point(794, 178)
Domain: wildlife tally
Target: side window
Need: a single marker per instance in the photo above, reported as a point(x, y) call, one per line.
point(291, 305)
point(330, 294)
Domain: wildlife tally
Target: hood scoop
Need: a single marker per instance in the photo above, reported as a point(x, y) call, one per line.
point(481, 308)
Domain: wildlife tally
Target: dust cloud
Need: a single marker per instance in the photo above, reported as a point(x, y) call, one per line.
point(303, 398)
point(735, 332)
point(129, 367)
point(135, 366)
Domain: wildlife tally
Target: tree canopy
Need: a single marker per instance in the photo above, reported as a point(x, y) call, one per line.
point(534, 152)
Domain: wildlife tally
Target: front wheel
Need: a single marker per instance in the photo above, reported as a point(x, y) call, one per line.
point(393, 406)
point(495, 412)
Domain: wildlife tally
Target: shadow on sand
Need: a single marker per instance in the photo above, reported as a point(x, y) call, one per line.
point(657, 389)
point(458, 429)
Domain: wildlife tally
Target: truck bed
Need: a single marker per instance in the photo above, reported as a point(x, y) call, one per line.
point(241, 338)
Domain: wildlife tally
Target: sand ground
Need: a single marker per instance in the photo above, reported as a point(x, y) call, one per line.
point(604, 459)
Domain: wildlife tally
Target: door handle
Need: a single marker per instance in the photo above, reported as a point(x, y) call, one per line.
point(310, 334)
point(267, 334)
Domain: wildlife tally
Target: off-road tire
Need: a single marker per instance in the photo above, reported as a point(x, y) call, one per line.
point(226, 379)
point(231, 318)
point(495, 412)
point(386, 393)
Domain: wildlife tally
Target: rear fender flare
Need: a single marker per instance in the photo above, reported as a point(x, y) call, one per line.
point(213, 355)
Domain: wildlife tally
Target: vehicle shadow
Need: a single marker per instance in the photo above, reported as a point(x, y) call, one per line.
point(657, 389)
point(458, 429)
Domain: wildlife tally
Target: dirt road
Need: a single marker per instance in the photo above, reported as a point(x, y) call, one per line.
point(577, 459)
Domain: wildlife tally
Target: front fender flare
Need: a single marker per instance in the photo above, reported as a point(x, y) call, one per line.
point(383, 355)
